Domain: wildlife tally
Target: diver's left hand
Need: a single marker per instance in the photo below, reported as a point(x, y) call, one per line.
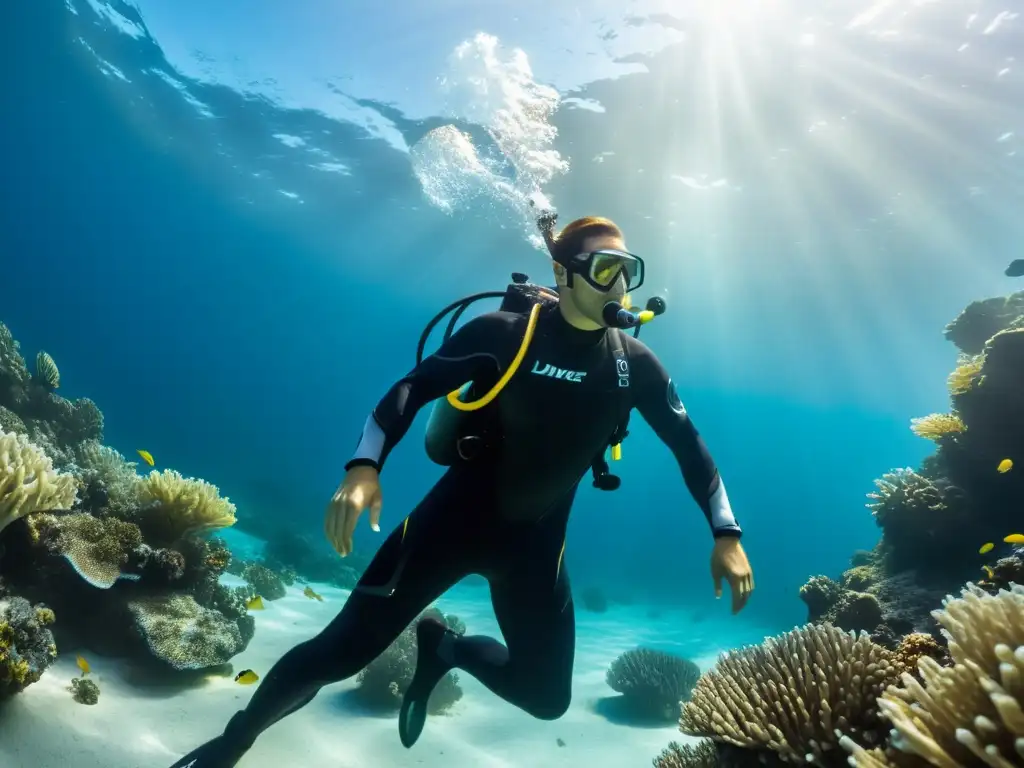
point(729, 562)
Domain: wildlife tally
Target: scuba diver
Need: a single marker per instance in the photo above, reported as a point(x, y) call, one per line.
point(536, 394)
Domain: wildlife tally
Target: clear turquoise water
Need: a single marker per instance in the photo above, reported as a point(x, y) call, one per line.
point(210, 217)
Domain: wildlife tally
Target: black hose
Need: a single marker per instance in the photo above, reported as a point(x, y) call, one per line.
point(461, 304)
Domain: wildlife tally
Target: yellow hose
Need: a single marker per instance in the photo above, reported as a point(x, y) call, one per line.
point(531, 326)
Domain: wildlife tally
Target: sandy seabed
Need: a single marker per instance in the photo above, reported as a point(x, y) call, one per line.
point(146, 726)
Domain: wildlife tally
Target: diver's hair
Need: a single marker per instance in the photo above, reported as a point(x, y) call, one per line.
point(569, 242)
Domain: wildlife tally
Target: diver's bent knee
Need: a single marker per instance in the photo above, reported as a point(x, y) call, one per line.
point(552, 707)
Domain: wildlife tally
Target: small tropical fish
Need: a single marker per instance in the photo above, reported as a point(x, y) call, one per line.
point(988, 571)
point(83, 665)
point(308, 592)
point(987, 547)
point(146, 456)
point(1016, 268)
point(246, 677)
point(254, 603)
point(1015, 538)
point(1005, 466)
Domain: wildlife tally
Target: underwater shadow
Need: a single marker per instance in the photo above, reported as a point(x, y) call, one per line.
point(619, 710)
point(159, 682)
point(351, 703)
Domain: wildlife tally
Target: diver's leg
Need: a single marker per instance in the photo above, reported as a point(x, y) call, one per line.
point(533, 604)
point(417, 563)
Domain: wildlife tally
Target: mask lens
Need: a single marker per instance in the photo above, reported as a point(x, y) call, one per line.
point(605, 268)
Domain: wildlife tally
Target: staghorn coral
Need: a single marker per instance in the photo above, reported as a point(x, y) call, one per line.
point(970, 713)
point(937, 426)
point(703, 754)
point(84, 691)
point(177, 506)
point(46, 371)
point(28, 482)
point(383, 683)
point(183, 634)
point(653, 682)
point(792, 693)
point(26, 645)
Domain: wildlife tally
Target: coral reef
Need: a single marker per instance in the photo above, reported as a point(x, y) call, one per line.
point(653, 682)
point(934, 519)
point(183, 634)
point(84, 691)
point(122, 561)
point(26, 644)
point(970, 713)
point(383, 683)
point(293, 554)
point(793, 693)
point(264, 581)
point(703, 754)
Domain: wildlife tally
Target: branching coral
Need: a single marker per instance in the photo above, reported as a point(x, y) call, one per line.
point(28, 482)
point(937, 426)
point(792, 693)
point(104, 468)
point(383, 683)
point(703, 754)
point(26, 645)
point(14, 375)
point(970, 713)
point(654, 682)
point(177, 506)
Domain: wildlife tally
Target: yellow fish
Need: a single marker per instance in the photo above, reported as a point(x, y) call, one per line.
point(254, 603)
point(987, 547)
point(246, 677)
point(146, 456)
point(1015, 538)
point(308, 592)
point(1005, 466)
point(988, 571)
point(83, 665)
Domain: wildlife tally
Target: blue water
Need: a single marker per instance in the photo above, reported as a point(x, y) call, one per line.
point(238, 312)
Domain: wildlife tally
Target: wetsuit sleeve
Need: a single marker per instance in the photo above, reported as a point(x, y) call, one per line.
point(659, 404)
point(476, 350)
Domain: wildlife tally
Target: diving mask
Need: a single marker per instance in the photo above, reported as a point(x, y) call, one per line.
point(602, 269)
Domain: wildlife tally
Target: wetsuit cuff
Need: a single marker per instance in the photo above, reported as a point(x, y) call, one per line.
point(725, 533)
point(361, 462)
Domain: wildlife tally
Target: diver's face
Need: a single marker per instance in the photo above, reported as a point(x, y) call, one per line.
point(587, 300)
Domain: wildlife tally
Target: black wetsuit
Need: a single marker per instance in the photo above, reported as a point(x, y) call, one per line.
point(501, 514)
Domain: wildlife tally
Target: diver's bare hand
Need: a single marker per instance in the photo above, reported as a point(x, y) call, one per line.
point(360, 489)
point(729, 562)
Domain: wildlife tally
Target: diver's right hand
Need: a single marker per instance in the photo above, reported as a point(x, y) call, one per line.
point(360, 489)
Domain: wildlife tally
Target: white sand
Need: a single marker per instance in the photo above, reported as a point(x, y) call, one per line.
point(139, 727)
